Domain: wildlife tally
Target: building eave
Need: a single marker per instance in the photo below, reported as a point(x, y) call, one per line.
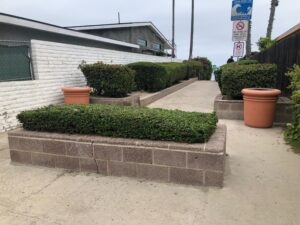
point(37, 25)
point(124, 25)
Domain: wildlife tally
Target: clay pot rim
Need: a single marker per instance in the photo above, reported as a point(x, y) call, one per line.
point(261, 92)
point(77, 89)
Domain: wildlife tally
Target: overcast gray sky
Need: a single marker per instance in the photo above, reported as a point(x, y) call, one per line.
point(212, 19)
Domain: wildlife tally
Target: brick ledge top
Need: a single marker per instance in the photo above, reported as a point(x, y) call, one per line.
point(214, 145)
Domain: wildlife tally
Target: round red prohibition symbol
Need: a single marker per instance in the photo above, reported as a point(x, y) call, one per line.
point(240, 25)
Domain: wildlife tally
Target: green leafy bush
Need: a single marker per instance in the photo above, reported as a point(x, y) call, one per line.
point(293, 130)
point(175, 72)
point(207, 68)
point(236, 77)
point(265, 43)
point(109, 80)
point(122, 121)
point(154, 77)
point(247, 62)
point(194, 69)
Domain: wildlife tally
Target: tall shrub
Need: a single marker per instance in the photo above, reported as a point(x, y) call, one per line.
point(109, 80)
point(293, 129)
point(207, 68)
point(236, 77)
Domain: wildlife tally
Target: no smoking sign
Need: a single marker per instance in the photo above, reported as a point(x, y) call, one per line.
point(240, 30)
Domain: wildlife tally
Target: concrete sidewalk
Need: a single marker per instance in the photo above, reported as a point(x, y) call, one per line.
point(261, 185)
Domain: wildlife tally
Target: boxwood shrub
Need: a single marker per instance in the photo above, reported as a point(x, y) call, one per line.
point(109, 80)
point(236, 77)
point(293, 130)
point(149, 76)
point(154, 77)
point(175, 72)
point(122, 121)
point(194, 69)
point(207, 68)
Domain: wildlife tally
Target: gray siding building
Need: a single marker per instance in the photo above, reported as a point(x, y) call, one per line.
point(144, 34)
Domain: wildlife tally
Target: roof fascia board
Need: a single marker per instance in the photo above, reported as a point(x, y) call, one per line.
point(7, 19)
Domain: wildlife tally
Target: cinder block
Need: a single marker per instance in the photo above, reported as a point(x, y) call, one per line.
point(93, 166)
point(206, 161)
point(138, 155)
point(108, 152)
point(20, 157)
point(67, 162)
point(214, 178)
point(186, 176)
point(151, 172)
point(121, 169)
point(43, 160)
point(25, 144)
point(79, 149)
point(54, 147)
point(169, 158)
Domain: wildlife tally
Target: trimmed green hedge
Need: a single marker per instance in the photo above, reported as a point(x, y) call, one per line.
point(293, 130)
point(247, 62)
point(122, 121)
point(194, 69)
point(207, 68)
point(175, 72)
point(109, 80)
point(236, 77)
point(154, 77)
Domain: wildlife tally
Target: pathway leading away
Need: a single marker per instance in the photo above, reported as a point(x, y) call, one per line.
point(261, 185)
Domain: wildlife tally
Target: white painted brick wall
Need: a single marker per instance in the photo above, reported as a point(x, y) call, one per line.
point(55, 66)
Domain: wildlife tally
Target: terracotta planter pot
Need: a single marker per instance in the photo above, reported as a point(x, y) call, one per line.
point(260, 106)
point(79, 95)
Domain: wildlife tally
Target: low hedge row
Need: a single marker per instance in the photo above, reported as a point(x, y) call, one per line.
point(154, 77)
point(207, 70)
point(293, 130)
point(232, 78)
point(109, 80)
point(122, 121)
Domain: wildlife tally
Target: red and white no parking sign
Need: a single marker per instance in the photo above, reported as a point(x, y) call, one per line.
point(240, 30)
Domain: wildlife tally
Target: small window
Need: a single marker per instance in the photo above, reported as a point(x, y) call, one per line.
point(15, 62)
point(142, 43)
point(156, 46)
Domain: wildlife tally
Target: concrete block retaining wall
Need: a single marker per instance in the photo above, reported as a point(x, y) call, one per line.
point(195, 164)
point(234, 109)
point(55, 66)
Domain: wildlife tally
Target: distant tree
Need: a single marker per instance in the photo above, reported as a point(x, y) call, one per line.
point(192, 31)
point(274, 4)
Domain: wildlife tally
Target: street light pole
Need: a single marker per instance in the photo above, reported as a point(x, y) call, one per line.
point(173, 29)
point(192, 32)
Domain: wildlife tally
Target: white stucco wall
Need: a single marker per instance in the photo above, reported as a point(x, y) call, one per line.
point(55, 66)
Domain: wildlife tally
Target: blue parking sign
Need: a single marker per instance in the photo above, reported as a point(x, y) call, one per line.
point(241, 10)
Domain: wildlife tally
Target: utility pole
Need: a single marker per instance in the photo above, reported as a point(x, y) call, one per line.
point(248, 42)
point(119, 18)
point(192, 31)
point(173, 29)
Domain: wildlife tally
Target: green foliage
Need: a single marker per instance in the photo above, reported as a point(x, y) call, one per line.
point(247, 62)
point(122, 121)
point(154, 77)
point(109, 80)
point(207, 68)
point(265, 43)
point(236, 77)
point(293, 130)
point(194, 69)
